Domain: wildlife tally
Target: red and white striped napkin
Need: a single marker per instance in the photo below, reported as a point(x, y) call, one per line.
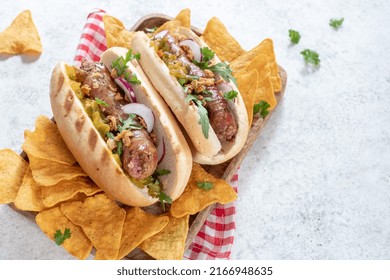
point(215, 239)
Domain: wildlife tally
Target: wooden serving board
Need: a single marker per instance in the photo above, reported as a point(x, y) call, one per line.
point(224, 171)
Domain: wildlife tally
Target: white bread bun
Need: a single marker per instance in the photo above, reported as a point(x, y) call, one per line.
point(205, 151)
point(97, 160)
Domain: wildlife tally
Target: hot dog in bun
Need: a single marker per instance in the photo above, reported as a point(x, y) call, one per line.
point(199, 89)
point(119, 129)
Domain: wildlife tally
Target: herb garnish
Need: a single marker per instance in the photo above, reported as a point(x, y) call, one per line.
point(59, 238)
point(155, 188)
point(129, 123)
point(119, 144)
point(120, 65)
point(221, 68)
point(164, 198)
point(311, 57)
point(294, 36)
point(230, 95)
point(204, 119)
point(262, 108)
point(207, 54)
point(206, 186)
point(224, 70)
point(101, 102)
point(336, 23)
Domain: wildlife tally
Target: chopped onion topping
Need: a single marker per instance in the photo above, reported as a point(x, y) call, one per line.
point(160, 34)
point(143, 111)
point(195, 48)
point(224, 87)
point(125, 85)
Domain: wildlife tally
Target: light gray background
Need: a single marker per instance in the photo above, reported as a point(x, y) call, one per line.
point(316, 184)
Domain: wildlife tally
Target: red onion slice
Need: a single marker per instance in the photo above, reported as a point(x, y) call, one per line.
point(224, 87)
point(161, 150)
point(160, 34)
point(195, 48)
point(141, 110)
point(125, 85)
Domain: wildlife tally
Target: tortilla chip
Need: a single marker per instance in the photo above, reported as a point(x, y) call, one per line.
point(29, 196)
point(264, 91)
point(49, 173)
point(168, 244)
point(138, 227)
point(116, 33)
point(102, 221)
point(220, 41)
point(12, 170)
point(194, 199)
point(46, 142)
point(52, 220)
point(21, 37)
point(183, 19)
point(266, 47)
point(248, 85)
point(75, 189)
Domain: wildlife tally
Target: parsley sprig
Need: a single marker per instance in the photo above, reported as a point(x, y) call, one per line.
point(206, 186)
point(230, 95)
point(129, 123)
point(294, 36)
point(59, 238)
point(204, 118)
point(220, 68)
point(336, 23)
point(311, 57)
point(162, 196)
point(261, 108)
point(120, 65)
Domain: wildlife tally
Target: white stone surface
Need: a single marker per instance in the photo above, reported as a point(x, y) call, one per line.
point(316, 184)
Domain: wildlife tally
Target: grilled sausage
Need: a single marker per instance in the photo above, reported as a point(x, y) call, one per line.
point(220, 116)
point(139, 155)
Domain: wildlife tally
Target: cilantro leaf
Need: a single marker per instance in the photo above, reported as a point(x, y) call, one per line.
point(311, 56)
point(294, 36)
point(101, 102)
point(230, 95)
point(207, 54)
point(132, 79)
point(129, 123)
point(336, 23)
point(164, 198)
point(206, 186)
point(59, 238)
point(120, 64)
point(162, 172)
point(262, 108)
point(224, 70)
point(204, 119)
point(182, 81)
